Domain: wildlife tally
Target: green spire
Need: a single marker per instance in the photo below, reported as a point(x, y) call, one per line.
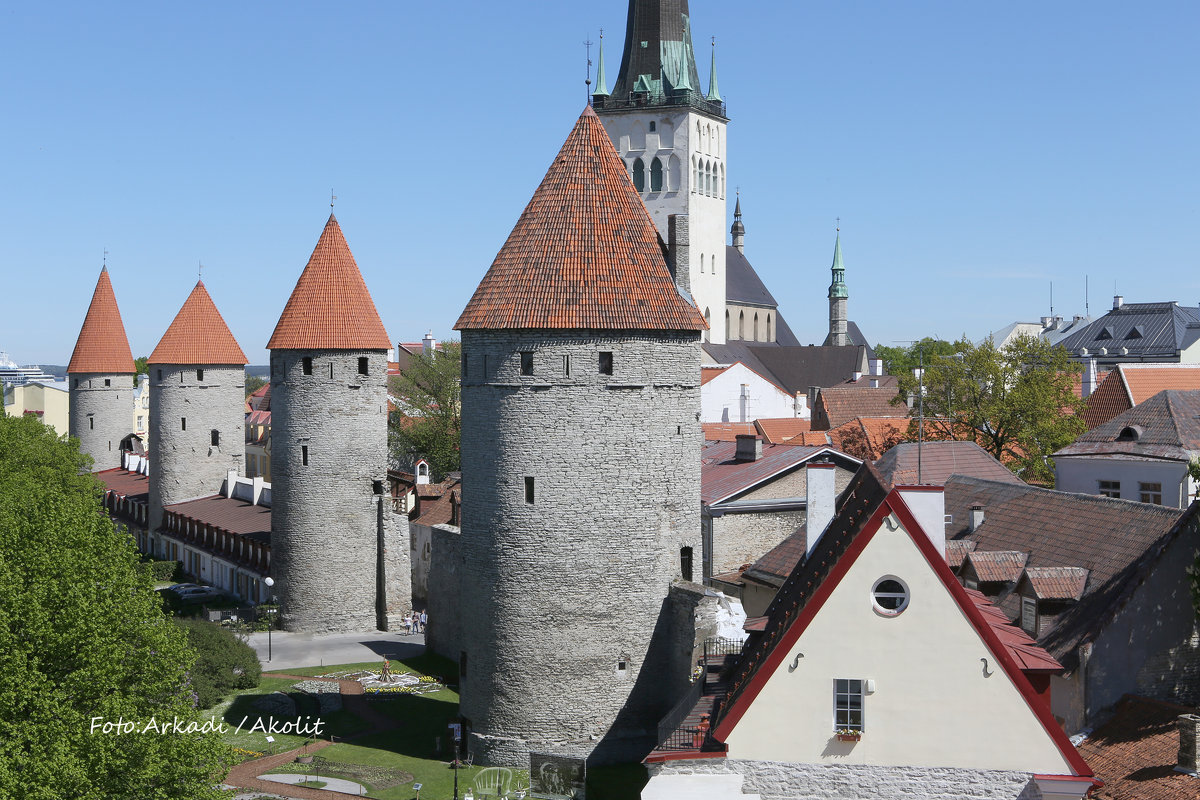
point(685, 81)
point(714, 94)
point(601, 81)
point(838, 287)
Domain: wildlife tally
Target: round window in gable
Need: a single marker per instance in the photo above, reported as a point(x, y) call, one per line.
point(889, 596)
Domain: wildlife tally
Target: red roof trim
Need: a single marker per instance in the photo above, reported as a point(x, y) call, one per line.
point(658, 758)
point(894, 503)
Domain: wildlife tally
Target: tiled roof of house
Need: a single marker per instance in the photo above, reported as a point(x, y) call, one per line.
point(102, 345)
point(198, 335)
point(1165, 426)
point(1057, 583)
point(1020, 645)
point(996, 566)
point(1131, 384)
point(726, 431)
point(230, 514)
point(330, 308)
point(776, 564)
point(837, 405)
point(794, 368)
point(260, 399)
point(439, 509)
point(1117, 541)
point(722, 476)
point(868, 438)
point(940, 460)
point(1135, 753)
point(707, 373)
point(956, 552)
point(585, 253)
point(133, 485)
point(782, 429)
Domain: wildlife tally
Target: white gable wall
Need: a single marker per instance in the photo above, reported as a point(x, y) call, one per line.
point(721, 398)
point(932, 705)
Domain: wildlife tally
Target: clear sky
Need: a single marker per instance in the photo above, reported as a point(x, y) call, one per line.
point(975, 152)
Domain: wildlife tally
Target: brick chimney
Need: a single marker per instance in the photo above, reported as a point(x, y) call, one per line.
point(976, 517)
point(749, 447)
point(821, 497)
point(1189, 736)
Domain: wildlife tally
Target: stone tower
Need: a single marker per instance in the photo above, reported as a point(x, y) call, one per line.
point(671, 137)
point(838, 295)
point(101, 375)
point(581, 468)
point(339, 557)
point(197, 407)
point(737, 231)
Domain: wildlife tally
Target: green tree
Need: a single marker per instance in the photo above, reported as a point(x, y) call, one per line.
point(141, 366)
point(254, 383)
point(224, 662)
point(1017, 402)
point(427, 421)
point(84, 641)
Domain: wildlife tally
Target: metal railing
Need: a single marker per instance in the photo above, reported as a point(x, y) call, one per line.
point(690, 738)
point(645, 100)
point(668, 724)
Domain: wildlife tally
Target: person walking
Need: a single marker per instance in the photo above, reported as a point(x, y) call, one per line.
point(424, 621)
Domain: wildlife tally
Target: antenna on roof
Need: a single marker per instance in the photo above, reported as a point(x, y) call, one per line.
point(587, 43)
point(1052, 298)
point(1086, 311)
point(332, 197)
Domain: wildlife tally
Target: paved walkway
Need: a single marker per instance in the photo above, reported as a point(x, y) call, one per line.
point(296, 650)
point(332, 784)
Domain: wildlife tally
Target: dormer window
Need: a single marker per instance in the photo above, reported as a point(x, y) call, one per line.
point(1029, 616)
point(1105, 333)
point(1136, 332)
point(1130, 433)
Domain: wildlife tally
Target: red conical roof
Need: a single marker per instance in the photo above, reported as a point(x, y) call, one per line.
point(198, 335)
point(584, 254)
point(102, 346)
point(330, 308)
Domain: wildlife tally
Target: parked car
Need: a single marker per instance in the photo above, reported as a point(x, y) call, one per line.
point(199, 594)
point(179, 587)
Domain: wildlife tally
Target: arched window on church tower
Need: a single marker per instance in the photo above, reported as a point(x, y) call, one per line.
point(707, 321)
point(708, 179)
point(695, 175)
point(656, 175)
point(702, 263)
point(639, 175)
point(722, 181)
point(756, 326)
point(741, 324)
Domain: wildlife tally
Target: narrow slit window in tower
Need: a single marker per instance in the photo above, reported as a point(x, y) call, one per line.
point(108, 382)
point(651, 125)
point(331, 370)
point(215, 438)
point(526, 362)
point(529, 489)
point(685, 562)
point(306, 363)
point(304, 454)
point(91, 423)
point(362, 365)
point(183, 423)
point(567, 366)
point(606, 362)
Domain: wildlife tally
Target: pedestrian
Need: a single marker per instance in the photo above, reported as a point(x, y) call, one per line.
point(424, 621)
point(416, 623)
point(407, 625)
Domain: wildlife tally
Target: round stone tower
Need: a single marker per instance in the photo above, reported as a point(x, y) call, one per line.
point(335, 549)
point(581, 469)
point(101, 375)
point(197, 407)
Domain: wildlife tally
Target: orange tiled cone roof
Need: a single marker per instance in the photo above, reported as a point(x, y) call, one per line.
point(102, 346)
point(330, 308)
point(198, 335)
point(584, 254)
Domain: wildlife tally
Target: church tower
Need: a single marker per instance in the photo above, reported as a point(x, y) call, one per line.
point(197, 408)
point(101, 375)
point(838, 295)
point(671, 137)
point(581, 470)
point(338, 555)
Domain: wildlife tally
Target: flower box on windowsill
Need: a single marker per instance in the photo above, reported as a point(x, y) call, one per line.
point(848, 736)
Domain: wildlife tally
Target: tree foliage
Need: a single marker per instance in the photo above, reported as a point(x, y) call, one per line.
point(427, 422)
point(254, 383)
point(141, 366)
point(223, 663)
point(1017, 402)
point(83, 637)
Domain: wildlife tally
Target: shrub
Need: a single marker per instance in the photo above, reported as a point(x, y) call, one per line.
point(224, 662)
point(164, 570)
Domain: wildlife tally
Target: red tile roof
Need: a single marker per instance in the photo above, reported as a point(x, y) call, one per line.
point(102, 345)
point(1131, 384)
point(997, 565)
point(868, 438)
point(726, 431)
point(330, 308)
point(584, 254)
point(707, 373)
point(940, 460)
point(956, 551)
point(229, 514)
point(776, 431)
point(722, 476)
point(198, 335)
point(837, 405)
point(125, 483)
point(1135, 753)
point(1057, 583)
point(1020, 645)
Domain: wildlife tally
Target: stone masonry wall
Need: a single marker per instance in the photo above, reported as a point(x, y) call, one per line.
point(443, 601)
point(184, 462)
point(397, 565)
point(101, 415)
point(566, 593)
point(783, 781)
point(325, 514)
point(744, 538)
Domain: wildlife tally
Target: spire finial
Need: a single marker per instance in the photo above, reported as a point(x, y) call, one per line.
point(839, 225)
point(199, 270)
point(332, 198)
point(104, 260)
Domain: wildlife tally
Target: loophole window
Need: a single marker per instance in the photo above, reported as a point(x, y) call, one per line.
point(889, 596)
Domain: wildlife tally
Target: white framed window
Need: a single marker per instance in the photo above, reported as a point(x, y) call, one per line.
point(1110, 488)
point(1150, 493)
point(889, 596)
point(1029, 616)
point(848, 704)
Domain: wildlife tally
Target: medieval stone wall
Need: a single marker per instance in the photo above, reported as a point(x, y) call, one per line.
point(744, 538)
point(443, 600)
point(101, 415)
point(580, 490)
point(188, 404)
point(329, 465)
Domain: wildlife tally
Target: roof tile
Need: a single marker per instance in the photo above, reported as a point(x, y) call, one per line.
point(585, 253)
point(198, 335)
point(102, 345)
point(1135, 753)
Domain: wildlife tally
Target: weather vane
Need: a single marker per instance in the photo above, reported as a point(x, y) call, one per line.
point(199, 270)
point(332, 197)
point(105, 260)
point(839, 223)
point(587, 43)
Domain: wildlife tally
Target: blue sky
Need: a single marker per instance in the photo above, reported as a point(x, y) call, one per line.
point(975, 152)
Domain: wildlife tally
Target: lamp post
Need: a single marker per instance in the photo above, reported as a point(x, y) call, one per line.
point(270, 582)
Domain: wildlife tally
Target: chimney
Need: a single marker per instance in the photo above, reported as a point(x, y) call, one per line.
point(749, 447)
point(1089, 378)
point(856, 376)
point(1118, 301)
point(1046, 322)
point(928, 505)
point(813, 391)
point(230, 482)
point(976, 517)
point(802, 408)
point(744, 403)
point(428, 344)
point(820, 498)
point(677, 243)
point(1189, 733)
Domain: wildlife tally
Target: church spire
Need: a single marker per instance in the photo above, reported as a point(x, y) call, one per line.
point(738, 230)
point(838, 295)
point(714, 94)
point(601, 80)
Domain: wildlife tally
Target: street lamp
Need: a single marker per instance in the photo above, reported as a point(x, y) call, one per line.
point(270, 582)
